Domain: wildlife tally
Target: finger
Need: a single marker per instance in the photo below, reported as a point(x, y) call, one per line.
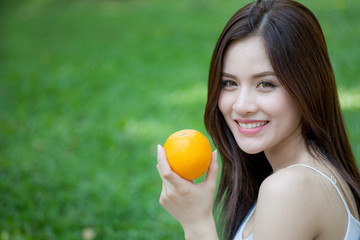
point(163, 195)
point(163, 190)
point(165, 182)
point(159, 171)
point(211, 175)
point(163, 165)
point(166, 173)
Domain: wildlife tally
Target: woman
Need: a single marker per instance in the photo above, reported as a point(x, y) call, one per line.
point(288, 171)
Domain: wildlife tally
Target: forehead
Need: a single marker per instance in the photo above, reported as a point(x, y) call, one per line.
point(246, 56)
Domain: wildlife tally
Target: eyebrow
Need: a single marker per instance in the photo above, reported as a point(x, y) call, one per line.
point(258, 75)
point(228, 75)
point(264, 74)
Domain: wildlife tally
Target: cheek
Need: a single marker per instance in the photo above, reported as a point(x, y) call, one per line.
point(284, 107)
point(224, 104)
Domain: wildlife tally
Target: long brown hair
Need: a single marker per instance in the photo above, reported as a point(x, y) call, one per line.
point(297, 50)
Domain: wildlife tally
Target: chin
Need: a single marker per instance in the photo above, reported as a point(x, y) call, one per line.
point(250, 150)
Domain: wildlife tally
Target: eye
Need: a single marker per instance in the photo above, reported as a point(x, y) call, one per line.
point(228, 84)
point(266, 85)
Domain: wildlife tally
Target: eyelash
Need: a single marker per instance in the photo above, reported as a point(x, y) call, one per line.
point(226, 83)
point(263, 84)
point(268, 83)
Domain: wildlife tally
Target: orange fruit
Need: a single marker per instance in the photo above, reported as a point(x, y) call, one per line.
point(188, 153)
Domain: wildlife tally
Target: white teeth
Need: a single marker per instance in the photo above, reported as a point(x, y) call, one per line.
point(252, 125)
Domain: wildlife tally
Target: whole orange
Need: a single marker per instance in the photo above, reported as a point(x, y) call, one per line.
point(188, 153)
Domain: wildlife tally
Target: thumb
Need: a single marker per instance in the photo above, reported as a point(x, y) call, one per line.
point(165, 171)
point(211, 175)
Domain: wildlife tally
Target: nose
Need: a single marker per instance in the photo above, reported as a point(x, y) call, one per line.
point(245, 103)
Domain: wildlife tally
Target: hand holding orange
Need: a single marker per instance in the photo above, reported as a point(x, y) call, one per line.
point(188, 153)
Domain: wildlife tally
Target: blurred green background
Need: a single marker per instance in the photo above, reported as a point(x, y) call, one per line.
point(89, 88)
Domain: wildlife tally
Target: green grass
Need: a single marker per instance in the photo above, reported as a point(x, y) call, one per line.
point(87, 90)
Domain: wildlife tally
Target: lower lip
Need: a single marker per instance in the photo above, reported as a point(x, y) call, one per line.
point(250, 131)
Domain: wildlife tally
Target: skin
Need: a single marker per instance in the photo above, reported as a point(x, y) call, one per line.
point(252, 92)
point(190, 204)
point(293, 203)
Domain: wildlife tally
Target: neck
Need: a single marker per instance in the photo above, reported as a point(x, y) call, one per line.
point(292, 150)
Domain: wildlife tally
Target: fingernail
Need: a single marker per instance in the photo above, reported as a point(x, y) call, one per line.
point(216, 156)
point(158, 148)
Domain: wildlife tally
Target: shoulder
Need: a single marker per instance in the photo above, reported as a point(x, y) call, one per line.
point(288, 205)
point(293, 189)
point(290, 182)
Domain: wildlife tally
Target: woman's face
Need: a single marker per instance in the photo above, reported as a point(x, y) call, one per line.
point(258, 110)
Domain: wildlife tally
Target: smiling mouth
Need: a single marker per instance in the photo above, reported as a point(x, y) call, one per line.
point(253, 124)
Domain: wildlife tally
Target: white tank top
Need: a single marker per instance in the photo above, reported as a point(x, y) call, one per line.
point(353, 226)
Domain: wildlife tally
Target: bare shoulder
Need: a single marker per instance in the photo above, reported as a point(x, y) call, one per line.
point(289, 182)
point(287, 206)
point(291, 174)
